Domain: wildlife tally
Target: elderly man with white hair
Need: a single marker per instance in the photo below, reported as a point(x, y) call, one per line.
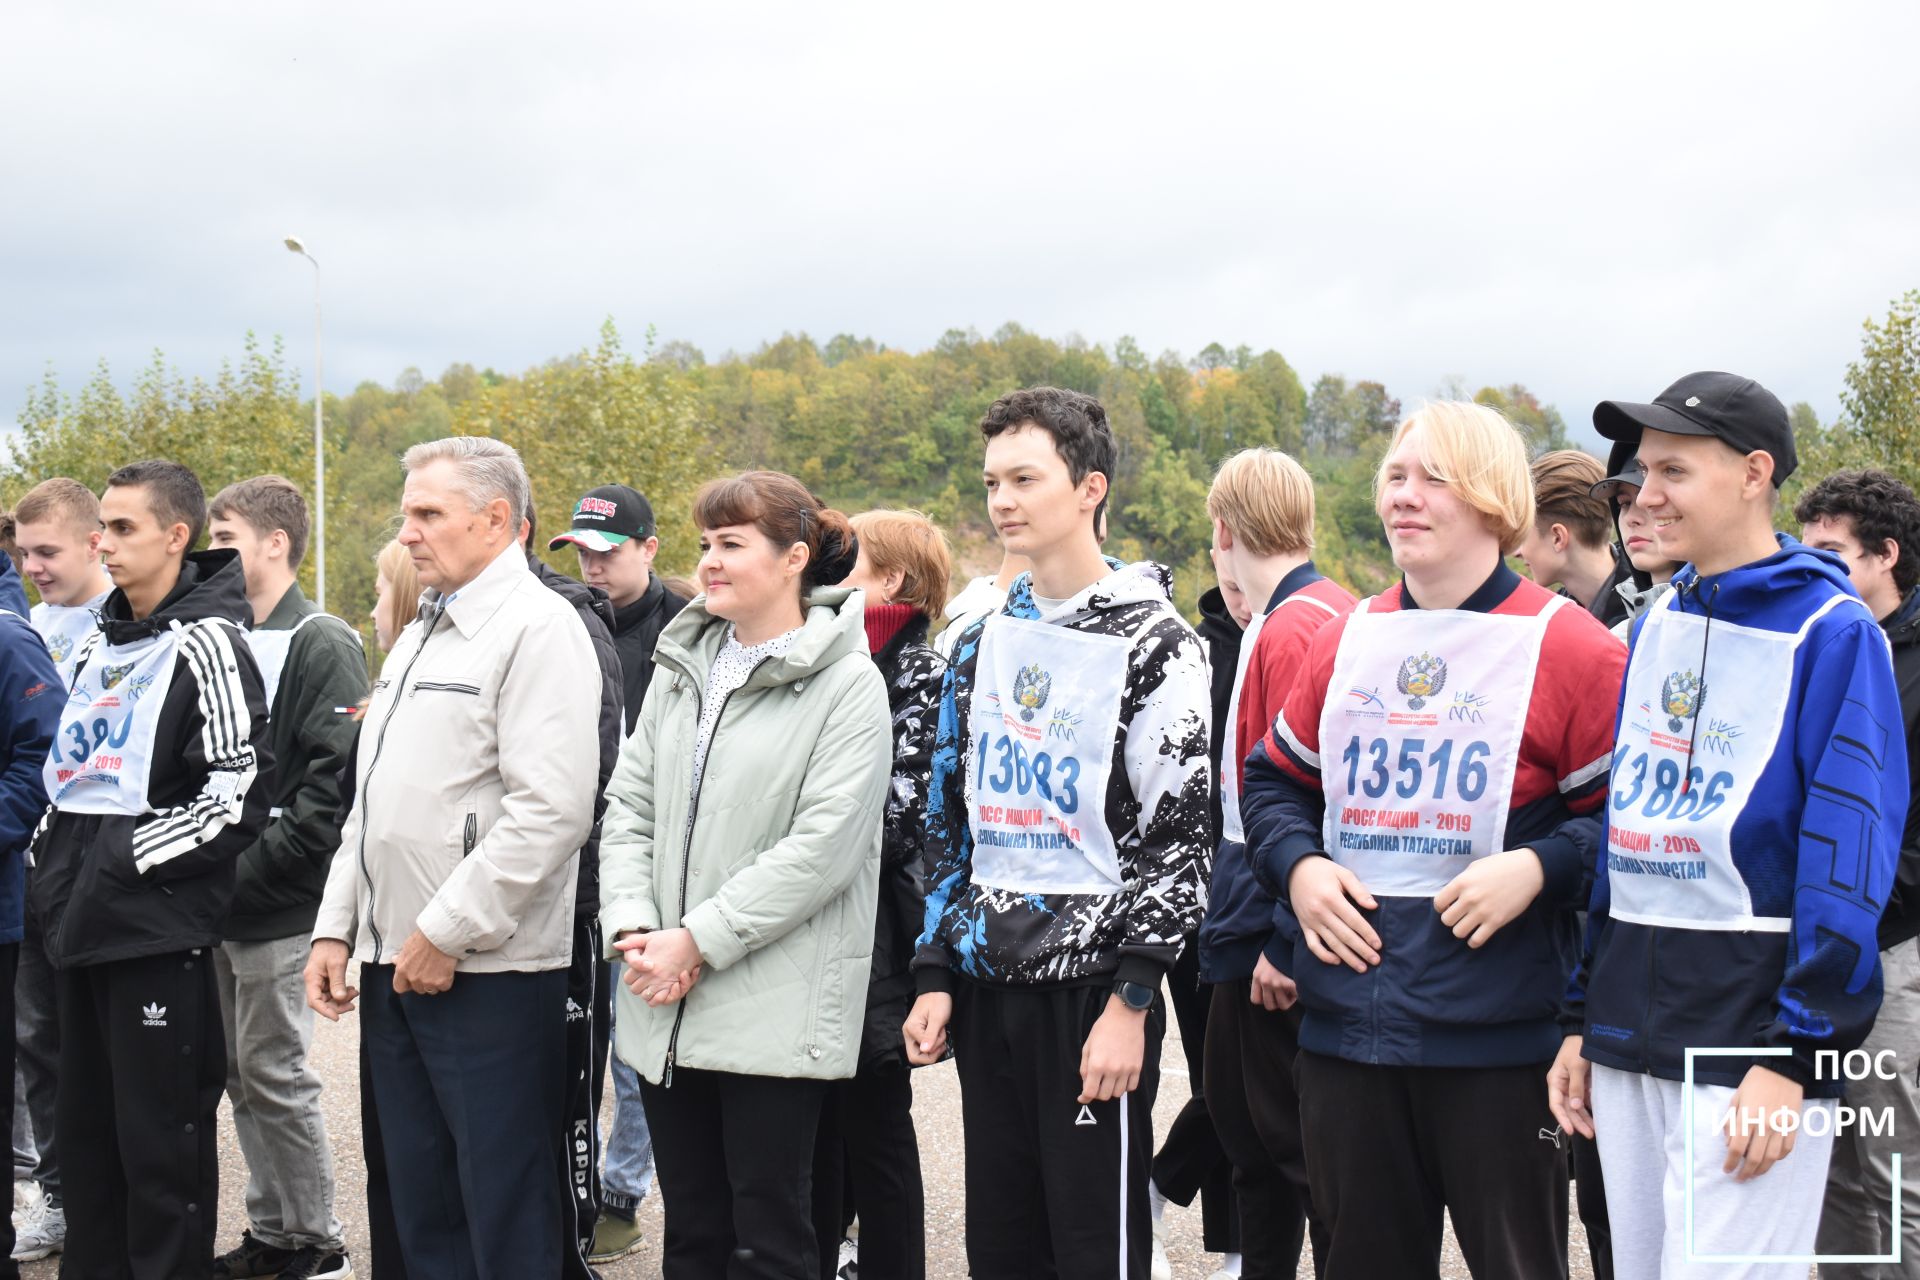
point(455, 878)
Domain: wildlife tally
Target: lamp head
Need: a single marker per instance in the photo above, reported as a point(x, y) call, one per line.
point(294, 245)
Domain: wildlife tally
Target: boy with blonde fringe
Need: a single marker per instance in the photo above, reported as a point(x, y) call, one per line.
point(1428, 803)
point(57, 528)
point(1262, 508)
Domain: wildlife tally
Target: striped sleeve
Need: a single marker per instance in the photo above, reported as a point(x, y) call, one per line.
point(224, 746)
point(1590, 668)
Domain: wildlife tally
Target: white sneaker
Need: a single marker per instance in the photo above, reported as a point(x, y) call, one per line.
point(848, 1265)
point(24, 1192)
point(41, 1231)
point(1160, 1268)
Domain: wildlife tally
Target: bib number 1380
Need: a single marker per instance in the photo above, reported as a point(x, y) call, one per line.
point(82, 746)
point(1017, 773)
point(1369, 774)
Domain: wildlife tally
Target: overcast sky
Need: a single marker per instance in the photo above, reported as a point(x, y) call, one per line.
point(1588, 199)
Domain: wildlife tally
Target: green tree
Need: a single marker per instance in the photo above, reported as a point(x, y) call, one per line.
point(596, 418)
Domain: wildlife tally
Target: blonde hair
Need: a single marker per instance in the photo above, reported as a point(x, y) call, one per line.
point(60, 498)
point(403, 602)
point(1265, 499)
point(1482, 455)
point(911, 543)
point(1563, 494)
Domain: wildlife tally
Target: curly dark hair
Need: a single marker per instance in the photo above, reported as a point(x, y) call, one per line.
point(1878, 507)
point(1076, 421)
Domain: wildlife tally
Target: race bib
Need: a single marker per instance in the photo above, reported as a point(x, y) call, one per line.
point(1046, 707)
point(270, 649)
point(1693, 742)
point(101, 755)
point(1419, 741)
point(1231, 827)
point(64, 628)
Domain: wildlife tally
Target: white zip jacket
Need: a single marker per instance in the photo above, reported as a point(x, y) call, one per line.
point(475, 781)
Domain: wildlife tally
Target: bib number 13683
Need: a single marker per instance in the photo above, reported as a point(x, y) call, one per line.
point(1017, 773)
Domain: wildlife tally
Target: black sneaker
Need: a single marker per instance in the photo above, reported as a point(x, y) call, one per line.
point(251, 1259)
point(315, 1263)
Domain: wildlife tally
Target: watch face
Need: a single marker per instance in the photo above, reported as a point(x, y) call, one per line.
point(1137, 995)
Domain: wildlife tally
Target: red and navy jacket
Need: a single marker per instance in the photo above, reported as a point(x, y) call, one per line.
point(1432, 1001)
point(1243, 920)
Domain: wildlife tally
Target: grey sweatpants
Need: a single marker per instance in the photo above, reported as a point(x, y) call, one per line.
point(1639, 1122)
point(1858, 1217)
point(276, 1095)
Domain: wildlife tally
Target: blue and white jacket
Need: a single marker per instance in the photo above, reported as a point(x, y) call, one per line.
point(1067, 830)
point(1758, 794)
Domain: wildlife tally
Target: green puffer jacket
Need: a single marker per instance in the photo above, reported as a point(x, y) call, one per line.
point(779, 881)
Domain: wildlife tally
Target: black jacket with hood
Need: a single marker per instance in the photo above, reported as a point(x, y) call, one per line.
point(207, 789)
point(596, 614)
point(636, 630)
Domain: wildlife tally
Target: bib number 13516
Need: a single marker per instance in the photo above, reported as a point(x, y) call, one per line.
point(1372, 768)
point(1014, 772)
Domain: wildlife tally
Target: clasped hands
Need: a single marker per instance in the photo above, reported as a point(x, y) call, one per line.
point(1328, 900)
point(662, 966)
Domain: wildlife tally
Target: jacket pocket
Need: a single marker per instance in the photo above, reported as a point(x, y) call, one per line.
point(443, 686)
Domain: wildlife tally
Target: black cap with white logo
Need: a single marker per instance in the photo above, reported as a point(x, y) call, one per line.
point(607, 517)
point(1733, 409)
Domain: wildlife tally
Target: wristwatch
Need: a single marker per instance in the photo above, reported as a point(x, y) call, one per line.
point(1135, 995)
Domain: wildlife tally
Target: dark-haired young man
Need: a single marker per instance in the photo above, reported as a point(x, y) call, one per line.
point(1067, 829)
point(1872, 522)
point(1758, 791)
point(156, 776)
point(315, 674)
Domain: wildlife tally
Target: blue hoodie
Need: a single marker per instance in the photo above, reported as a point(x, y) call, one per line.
point(1765, 693)
point(32, 697)
point(13, 596)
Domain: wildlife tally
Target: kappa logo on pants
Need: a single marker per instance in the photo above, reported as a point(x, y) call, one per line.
point(1086, 1116)
point(156, 1015)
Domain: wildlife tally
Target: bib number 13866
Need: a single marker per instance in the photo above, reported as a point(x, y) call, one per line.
point(1414, 765)
point(1702, 796)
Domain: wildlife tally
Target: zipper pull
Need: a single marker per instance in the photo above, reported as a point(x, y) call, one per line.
point(666, 1077)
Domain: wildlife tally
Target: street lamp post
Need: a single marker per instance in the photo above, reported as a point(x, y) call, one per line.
point(319, 441)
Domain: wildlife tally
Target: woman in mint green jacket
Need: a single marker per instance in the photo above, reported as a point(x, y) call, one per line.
point(739, 874)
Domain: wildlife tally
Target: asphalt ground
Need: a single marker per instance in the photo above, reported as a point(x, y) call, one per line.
point(336, 1050)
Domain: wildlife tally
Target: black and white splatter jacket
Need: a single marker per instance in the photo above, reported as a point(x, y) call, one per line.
point(1005, 804)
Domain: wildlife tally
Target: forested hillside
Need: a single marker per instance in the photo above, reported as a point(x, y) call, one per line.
point(863, 424)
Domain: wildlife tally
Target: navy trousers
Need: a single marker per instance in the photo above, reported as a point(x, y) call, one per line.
point(471, 1088)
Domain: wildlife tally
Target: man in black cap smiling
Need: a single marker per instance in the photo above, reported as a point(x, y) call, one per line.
point(1758, 793)
point(613, 530)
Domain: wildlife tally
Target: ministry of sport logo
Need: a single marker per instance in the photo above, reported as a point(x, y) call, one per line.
point(112, 676)
point(1680, 698)
point(1421, 678)
point(1031, 685)
point(156, 1015)
point(60, 648)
